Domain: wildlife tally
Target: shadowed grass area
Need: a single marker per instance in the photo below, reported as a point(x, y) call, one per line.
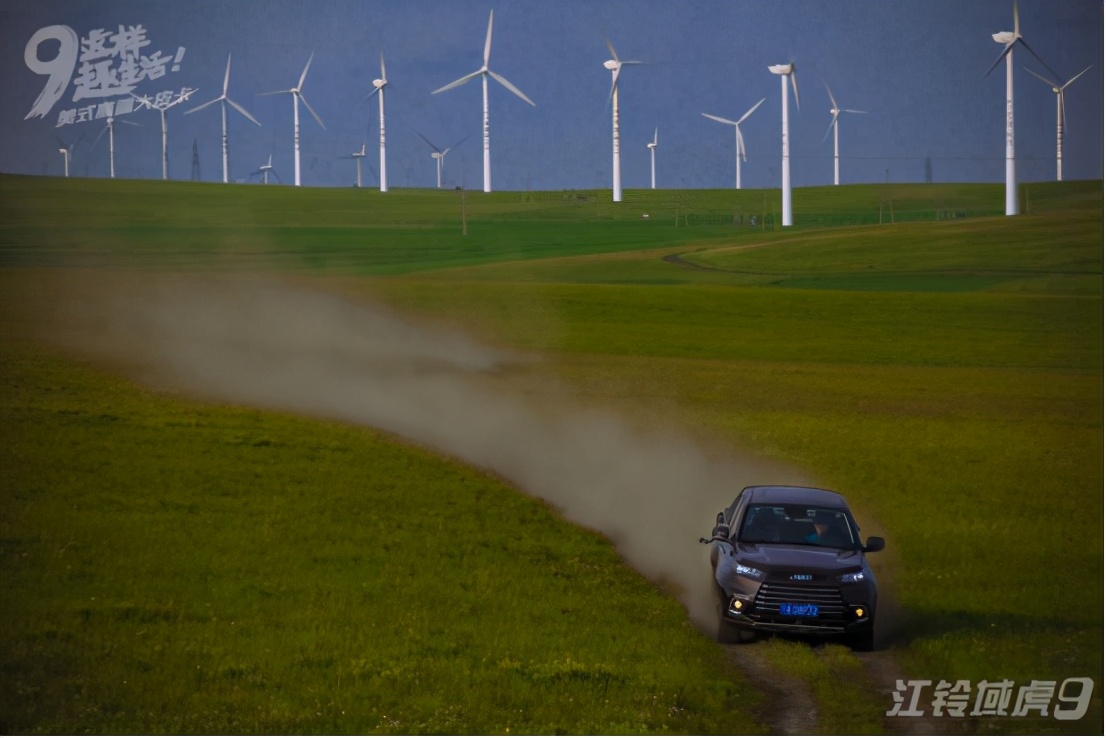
point(177, 568)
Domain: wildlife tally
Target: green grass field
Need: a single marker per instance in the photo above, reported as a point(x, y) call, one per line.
point(943, 371)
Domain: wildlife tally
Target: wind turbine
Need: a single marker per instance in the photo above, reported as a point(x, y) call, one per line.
point(439, 154)
point(836, 112)
point(615, 65)
point(1061, 115)
point(297, 95)
point(785, 71)
point(146, 102)
point(1009, 39)
point(67, 150)
point(358, 155)
point(264, 170)
point(378, 86)
point(484, 72)
point(224, 100)
point(653, 161)
point(740, 140)
point(110, 130)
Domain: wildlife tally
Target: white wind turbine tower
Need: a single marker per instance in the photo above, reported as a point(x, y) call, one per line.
point(1061, 116)
point(740, 140)
point(146, 102)
point(297, 95)
point(439, 154)
point(358, 155)
point(67, 150)
point(615, 65)
point(110, 130)
point(1009, 39)
point(378, 87)
point(66, 153)
point(835, 111)
point(653, 161)
point(785, 71)
point(224, 100)
point(484, 72)
point(264, 171)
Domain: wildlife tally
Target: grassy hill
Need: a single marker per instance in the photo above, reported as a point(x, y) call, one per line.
point(943, 370)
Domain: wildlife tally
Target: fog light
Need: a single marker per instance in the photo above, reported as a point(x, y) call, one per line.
point(860, 612)
point(736, 604)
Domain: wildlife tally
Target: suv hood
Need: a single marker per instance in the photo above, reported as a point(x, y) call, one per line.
point(773, 555)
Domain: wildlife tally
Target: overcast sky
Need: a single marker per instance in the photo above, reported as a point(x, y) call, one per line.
point(916, 67)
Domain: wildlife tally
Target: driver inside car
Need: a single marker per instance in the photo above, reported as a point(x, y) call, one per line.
point(828, 532)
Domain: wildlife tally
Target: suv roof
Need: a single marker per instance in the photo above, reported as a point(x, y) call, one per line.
point(784, 494)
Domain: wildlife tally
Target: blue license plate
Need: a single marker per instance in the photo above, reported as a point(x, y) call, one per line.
point(799, 610)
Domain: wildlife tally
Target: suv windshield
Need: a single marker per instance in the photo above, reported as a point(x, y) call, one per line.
point(798, 525)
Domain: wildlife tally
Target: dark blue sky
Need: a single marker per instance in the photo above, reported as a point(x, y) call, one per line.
point(917, 67)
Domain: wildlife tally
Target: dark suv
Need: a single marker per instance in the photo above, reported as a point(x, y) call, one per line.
point(789, 559)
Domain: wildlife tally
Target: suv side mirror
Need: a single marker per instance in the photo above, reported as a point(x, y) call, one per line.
point(873, 544)
point(721, 530)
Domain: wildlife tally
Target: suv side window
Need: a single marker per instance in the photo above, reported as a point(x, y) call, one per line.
point(734, 512)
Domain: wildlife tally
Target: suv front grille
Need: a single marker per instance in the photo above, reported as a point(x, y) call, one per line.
point(831, 607)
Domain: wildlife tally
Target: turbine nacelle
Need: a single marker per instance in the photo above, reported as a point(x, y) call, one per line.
point(612, 64)
point(787, 70)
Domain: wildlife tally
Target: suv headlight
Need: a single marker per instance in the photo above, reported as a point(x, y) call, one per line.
point(748, 571)
point(852, 577)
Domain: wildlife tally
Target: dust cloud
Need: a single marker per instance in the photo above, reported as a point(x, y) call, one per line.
point(271, 344)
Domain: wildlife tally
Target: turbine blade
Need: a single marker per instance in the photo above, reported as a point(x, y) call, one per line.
point(795, 86)
point(826, 135)
point(205, 105)
point(720, 120)
point(614, 54)
point(1063, 114)
point(243, 111)
point(424, 138)
point(1016, 33)
point(1019, 40)
point(614, 83)
point(226, 77)
point(832, 101)
point(488, 40)
point(274, 92)
point(1046, 80)
point(466, 138)
point(503, 81)
point(849, 110)
point(305, 68)
point(312, 111)
point(1065, 85)
point(383, 74)
point(369, 96)
point(750, 111)
point(101, 135)
point(654, 136)
point(127, 122)
point(459, 82)
point(741, 145)
point(1001, 56)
